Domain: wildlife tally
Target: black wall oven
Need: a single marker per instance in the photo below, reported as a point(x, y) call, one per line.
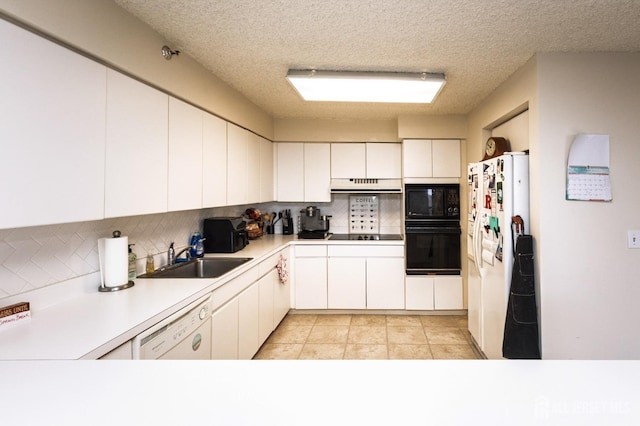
point(432, 248)
point(432, 229)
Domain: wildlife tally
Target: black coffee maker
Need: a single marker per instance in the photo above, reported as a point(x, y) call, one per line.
point(313, 224)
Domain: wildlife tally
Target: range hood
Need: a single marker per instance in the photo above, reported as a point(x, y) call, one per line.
point(366, 186)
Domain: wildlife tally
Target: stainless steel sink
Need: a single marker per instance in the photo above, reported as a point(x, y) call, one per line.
point(208, 267)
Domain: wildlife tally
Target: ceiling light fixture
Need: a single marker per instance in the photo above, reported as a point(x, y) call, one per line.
point(366, 86)
point(168, 53)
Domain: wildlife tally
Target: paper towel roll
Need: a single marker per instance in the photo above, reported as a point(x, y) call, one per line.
point(114, 261)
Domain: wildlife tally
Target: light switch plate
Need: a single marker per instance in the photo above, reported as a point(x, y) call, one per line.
point(633, 239)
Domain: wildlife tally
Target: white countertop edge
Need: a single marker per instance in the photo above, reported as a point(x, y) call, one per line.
point(49, 334)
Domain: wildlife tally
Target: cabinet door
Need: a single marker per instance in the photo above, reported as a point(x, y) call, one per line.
point(248, 322)
point(224, 331)
point(346, 283)
point(137, 148)
point(185, 156)
point(385, 283)
point(266, 171)
point(290, 172)
point(253, 168)
point(419, 293)
point(348, 160)
point(384, 160)
point(311, 283)
point(317, 172)
point(214, 161)
point(52, 120)
point(265, 309)
point(237, 165)
point(417, 158)
point(446, 158)
point(447, 292)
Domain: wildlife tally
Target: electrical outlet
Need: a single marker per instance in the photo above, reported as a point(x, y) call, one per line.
point(633, 239)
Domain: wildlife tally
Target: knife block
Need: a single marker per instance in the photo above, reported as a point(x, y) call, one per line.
point(287, 226)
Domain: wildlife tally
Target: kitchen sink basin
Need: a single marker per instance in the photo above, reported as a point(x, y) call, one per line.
point(208, 267)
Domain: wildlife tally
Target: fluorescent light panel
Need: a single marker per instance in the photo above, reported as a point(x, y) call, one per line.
point(364, 86)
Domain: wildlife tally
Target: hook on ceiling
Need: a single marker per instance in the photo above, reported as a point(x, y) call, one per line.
point(168, 53)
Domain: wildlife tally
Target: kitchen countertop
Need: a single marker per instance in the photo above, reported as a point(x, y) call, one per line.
point(86, 324)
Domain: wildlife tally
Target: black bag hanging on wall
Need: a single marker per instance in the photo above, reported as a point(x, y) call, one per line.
point(521, 325)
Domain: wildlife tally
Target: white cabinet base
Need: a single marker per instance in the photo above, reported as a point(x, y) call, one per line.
point(426, 292)
point(419, 293)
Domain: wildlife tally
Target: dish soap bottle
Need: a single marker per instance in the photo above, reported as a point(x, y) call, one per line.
point(132, 263)
point(150, 264)
point(196, 249)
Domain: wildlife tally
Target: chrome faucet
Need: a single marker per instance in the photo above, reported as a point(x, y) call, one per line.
point(186, 249)
point(172, 256)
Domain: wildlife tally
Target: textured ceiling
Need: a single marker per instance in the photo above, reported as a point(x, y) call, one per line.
point(251, 44)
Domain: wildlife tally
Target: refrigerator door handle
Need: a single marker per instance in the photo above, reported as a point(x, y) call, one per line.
point(477, 245)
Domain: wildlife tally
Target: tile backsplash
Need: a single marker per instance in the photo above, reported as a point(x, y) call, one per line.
point(36, 257)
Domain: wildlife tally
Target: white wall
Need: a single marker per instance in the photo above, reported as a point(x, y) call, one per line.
point(590, 283)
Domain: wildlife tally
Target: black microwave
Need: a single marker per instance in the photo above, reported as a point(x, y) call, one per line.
point(432, 201)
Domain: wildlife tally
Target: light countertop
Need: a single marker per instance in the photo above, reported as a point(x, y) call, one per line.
point(88, 324)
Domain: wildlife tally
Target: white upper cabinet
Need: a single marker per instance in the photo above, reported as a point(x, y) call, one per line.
point(426, 158)
point(266, 171)
point(348, 160)
point(366, 160)
point(317, 172)
point(417, 158)
point(384, 160)
point(52, 120)
point(237, 165)
point(290, 172)
point(214, 161)
point(137, 148)
point(253, 167)
point(185, 156)
point(303, 172)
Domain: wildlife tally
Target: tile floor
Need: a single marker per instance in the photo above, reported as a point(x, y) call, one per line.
point(358, 336)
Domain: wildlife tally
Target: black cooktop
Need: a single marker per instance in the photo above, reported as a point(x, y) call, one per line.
point(367, 237)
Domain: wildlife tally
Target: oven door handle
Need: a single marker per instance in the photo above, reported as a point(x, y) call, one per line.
point(443, 230)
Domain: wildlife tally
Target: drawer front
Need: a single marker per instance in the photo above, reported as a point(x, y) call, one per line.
point(311, 251)
point(366, 251)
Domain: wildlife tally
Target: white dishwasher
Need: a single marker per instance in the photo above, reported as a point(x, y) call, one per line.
point(183, 335)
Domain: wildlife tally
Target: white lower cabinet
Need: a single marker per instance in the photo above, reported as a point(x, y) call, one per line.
point(365, 277)
point(385, 283)
point(425, 292)
point(347, 283)
point(249, 322)
point(447, 293)
point(311, 283)
point(310, 277)
point(224, 331)
point(265, 306)
point(242, 322)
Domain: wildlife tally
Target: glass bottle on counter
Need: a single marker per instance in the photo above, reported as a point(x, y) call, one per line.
point(150, 264)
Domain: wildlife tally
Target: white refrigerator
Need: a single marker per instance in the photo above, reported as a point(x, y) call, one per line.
point(498, 189)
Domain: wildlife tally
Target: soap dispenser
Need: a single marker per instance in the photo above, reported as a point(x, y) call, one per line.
point(132, 263)
point(196, 247)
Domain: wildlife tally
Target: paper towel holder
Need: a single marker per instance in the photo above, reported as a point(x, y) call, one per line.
point(103, 288)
